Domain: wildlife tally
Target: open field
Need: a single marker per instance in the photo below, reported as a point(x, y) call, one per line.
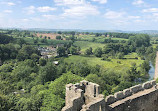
point(85, 45)
point(125, 63)
point(30, 40)
point(98, 39)
point(51, 35)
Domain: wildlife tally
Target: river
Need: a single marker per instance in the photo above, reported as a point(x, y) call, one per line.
point(151, 71)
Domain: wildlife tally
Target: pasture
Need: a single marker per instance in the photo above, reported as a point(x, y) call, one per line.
point(123, 64)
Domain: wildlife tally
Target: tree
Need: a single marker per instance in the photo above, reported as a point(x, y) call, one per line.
point(47, 73)
point(97, 34)
point(73, 50)
point(59, 32)
point(58, 37)
point(43, 40)
point(26, 51)
point(42, 62)
point(41, 36)
point(98, 52)
point(120, 55)
point(5, 39)
point(45, 37)
point(4, 103)
point(34, 57)
point(21, 42)
point(61, 51)
point(89, 51)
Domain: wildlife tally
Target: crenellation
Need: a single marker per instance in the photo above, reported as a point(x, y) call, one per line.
point(147, 85)
point(110, 99)
point(127, 92)
point(84, 96)
point(136, 88)
point(119, 95)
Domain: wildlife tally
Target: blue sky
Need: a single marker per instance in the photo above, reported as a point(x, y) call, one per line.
point(80, 14)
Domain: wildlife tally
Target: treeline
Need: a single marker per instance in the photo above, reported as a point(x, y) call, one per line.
point(32, 86)
point(5, 39)
point(134, 44)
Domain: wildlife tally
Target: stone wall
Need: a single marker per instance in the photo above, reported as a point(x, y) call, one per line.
point(85, 97)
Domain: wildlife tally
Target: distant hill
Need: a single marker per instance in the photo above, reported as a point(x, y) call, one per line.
point(151, 32)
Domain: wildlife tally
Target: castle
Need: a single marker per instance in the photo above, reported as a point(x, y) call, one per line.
point(84, 96)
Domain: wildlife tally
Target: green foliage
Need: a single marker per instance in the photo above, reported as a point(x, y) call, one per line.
point(4, 104)
point(5, 39)
point(139, 40)
point(58, 37)
point(42, 62)
point(26, 51)
point(61, 51)
point(54, 97)
point(47, 73)
point(98, 52)
point(89, 51)
point(8, 51)
point(73, 50)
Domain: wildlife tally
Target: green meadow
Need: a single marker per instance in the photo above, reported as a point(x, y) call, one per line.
point(92, 60)
point(85, 45)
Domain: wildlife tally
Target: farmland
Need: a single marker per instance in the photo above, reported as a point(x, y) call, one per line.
point(124, 64)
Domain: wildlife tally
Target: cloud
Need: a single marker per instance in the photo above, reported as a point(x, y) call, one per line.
point(120, 18)
point(100, 1)
point(24, 20)
point(49, 17)
point(45, 9)
point(8, 3)
point(33, 9)
point(7, 11)
point(138, 2)
point(114, 14)
point(81, 11)
point(134, 17)
point(151, 10)
point(69, 2)
point(30, 9)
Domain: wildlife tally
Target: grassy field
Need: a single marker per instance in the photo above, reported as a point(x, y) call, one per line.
point(98, 39)
point(85, 45)
point(125, 63)
point(30, 41)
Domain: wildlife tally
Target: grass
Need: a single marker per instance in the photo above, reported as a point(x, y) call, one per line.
point(125, 63)
point(98, 39)
point(30, 41)
point(85, 45)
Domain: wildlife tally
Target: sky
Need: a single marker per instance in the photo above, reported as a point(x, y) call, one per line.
point(127, 15)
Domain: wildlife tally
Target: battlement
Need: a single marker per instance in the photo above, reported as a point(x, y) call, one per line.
point(129, 92)
point(84, 96)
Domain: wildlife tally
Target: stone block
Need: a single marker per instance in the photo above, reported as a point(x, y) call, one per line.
point(147, 85)
point(136, 88)
point(119, 95)
point(110, 99)
point(127, 92)
point(153, 82)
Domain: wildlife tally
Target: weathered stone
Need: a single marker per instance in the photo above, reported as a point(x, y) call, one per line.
point(119, 95)
point(127, 92)
point(153, 82)
point(137, 98)
point(136, 88)
point(147, 85)
point(110, 99)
